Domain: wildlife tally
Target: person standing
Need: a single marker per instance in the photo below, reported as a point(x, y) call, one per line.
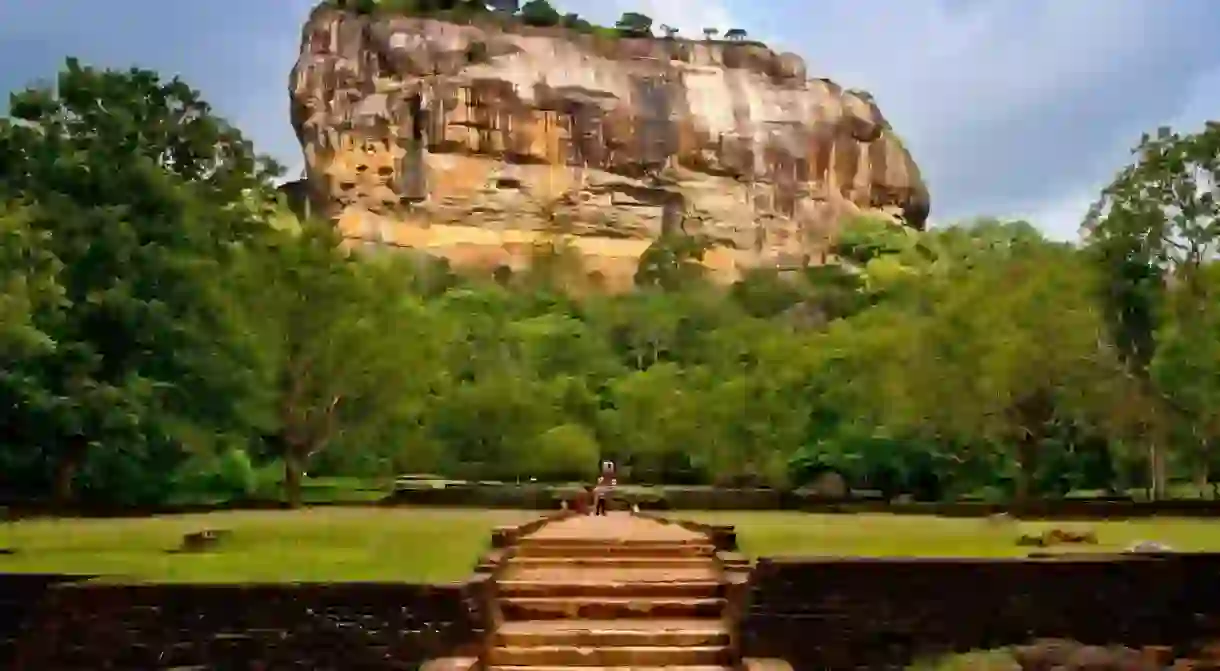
point(606, 483)
point(599, 496)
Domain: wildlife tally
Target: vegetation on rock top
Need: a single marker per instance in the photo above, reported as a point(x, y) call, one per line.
point(537, 13)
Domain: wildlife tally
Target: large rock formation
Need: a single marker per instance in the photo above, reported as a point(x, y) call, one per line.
point(474, 141)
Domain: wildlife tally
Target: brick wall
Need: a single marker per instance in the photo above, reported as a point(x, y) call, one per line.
point(856, 613)
point(359, 626)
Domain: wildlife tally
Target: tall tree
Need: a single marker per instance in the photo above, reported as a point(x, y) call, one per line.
point(1158, 220)
point(351, 359)
point(140, 192)
point(1003, 348)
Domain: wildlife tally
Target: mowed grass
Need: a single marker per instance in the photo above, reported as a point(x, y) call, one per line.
point(762, 534)
point(315, 544)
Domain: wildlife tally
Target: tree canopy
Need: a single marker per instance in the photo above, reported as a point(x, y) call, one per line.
point(169, 331)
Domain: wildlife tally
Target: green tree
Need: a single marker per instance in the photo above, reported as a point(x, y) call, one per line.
point(652, 420)
point(349, 362)
point(29, 288)
point(540, 13)
point(635, 24)
point(565, 452)
point(1187, 367)
point(1001, 351)
point(140, 193)
point(1159, 219)
point(672, 262)
point(764, 293)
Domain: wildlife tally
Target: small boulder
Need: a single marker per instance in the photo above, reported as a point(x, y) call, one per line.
point(1026, 540)
point(203, 541)
point(1148, 547)
point(1066, 536)
point(1053, 537)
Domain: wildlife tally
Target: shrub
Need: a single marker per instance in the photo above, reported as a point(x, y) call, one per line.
point(567, 452)
point(225, 476)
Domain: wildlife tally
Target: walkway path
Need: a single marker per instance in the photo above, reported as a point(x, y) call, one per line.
point(612, 591)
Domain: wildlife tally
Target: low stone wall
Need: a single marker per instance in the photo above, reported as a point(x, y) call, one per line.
point(852, 613)
point(20, 596)
point(1051, 509)
point(508, 535)
point(666, 498)
point(315, 626)
point(51, 622)
point(722, 536)
point(545, 497)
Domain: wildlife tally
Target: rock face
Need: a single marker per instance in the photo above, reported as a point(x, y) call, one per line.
point(474, 142)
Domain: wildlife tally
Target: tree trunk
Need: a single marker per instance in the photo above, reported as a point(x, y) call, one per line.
point(75, 448)
point(65, 479)
point(294, 468)
point(1032, 414)
point(1027, 468)
point(1157, 476)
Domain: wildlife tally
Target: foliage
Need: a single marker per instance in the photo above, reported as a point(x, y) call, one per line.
point(539, 13)
point(137, 194)
point(634, 24)
point(673, 261)
point(1155, 232)
point(167, 333)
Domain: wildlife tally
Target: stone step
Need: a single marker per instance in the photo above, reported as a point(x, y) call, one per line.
point(623, 561)
point(611, 668)
point(542, 608)
point(575, 588)
point(708, 571)
point(572, 541)
point(594, 550)
point(560, 655)
point(612, 633)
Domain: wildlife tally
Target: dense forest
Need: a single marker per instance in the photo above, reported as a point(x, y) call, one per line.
point(168, 330)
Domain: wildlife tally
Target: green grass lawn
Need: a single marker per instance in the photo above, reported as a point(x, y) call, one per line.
point(762, 534)
point(319, 544)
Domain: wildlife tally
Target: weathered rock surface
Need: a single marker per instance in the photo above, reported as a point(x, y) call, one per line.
point(470, 141)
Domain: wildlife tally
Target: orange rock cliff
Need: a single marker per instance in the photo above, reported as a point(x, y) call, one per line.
point(470, 141)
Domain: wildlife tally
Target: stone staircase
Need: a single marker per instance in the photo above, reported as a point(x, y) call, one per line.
point(611, 592)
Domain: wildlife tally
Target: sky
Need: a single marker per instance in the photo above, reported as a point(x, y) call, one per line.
point(1012, 108)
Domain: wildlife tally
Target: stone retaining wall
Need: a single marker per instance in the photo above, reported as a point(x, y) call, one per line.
point(19, 598)
point(722, 536)
point(52, 622)
point(853, 613)
point(314, 626)
point(543, 498)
